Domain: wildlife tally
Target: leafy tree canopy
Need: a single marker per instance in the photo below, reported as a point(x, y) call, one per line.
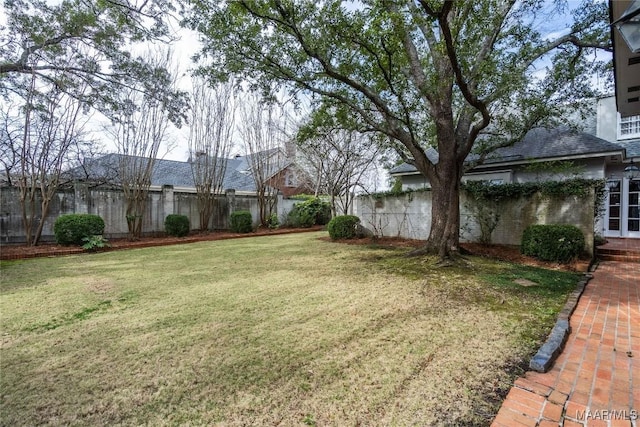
point(402, 65)
point(72, 44)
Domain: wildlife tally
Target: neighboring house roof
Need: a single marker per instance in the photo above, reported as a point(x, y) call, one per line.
point(179, 174)
point(274, 158)
point(538, 144)
point(165, 172)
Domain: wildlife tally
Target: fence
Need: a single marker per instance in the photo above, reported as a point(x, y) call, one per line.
point(409, 216)
point(110, 205)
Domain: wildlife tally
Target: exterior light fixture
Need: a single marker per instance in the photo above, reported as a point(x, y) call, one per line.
point(629, 26)
point(632, 171)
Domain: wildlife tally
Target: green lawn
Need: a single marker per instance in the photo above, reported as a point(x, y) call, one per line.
point(259, 331)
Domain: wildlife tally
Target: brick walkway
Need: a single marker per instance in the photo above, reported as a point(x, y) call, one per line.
point(596, 379)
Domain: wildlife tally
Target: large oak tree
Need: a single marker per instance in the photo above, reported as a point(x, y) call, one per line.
point(458, 76)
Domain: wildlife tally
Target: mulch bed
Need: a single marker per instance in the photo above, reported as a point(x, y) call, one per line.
point(501, 252)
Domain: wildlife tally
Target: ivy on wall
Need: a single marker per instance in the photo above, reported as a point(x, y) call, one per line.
point(483, 190)
point(580, 187)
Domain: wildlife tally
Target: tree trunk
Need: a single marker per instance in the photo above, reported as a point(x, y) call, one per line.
point(46, 202)
point(444, 237)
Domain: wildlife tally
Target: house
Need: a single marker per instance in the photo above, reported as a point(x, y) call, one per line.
point(558, 154)
point(540, 155)
point(285, 176)
point(280, 170)
point(622, 215)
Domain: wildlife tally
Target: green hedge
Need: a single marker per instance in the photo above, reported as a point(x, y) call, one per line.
point(343, 227)
point(241, 222)
point(310, 212)
point(176, 225)
point(560, 243)
point(71, 229)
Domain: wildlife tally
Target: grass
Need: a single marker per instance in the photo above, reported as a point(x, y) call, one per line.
point(282, 329)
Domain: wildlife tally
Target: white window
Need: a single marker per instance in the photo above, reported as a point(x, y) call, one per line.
point(629, 127)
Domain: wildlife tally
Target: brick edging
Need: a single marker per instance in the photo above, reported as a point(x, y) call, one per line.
point(547, 354)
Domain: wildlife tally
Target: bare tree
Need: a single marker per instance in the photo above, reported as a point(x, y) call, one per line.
point(263, 131)
point(51, 126)
point(339, 159)
point(139, 129)
point(10, 141)
point(210, 142)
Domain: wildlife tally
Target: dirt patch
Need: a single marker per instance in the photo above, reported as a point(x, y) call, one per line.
point(525, 283)
point(99, 286)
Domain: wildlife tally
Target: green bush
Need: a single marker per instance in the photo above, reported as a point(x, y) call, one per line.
point(312, 211)
point(241, 222)
point(176, 225)
point(95, 243)
point(71, 229)
point(274, 222)
point(560, 243)
point(300, 218)
point(343, 227)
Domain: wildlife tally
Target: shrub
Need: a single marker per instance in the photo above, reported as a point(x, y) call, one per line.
point(560, 243)
point(343, 227)
point(300, 217)
point(241, 222)
point(93, 243)
point(310, 212)
point(599, 240)
point(71, 229)
point(176, 225)
point(273, 221)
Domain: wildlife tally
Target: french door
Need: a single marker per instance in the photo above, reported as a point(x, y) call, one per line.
point(622, 218)
point(633, 208)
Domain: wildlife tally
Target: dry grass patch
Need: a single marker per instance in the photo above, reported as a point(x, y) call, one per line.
point(284, 330)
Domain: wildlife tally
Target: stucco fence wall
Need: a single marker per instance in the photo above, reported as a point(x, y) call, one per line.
point(409, 216)
point(110, 205)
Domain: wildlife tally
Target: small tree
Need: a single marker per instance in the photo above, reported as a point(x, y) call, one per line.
point(51, 126)
point(10, 137)
point(210, 142)
point(339, 159)
point(263, 131)
point(139, 130)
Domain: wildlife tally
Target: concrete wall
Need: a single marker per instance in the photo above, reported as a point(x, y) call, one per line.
point(409, 216)
point(110, 205)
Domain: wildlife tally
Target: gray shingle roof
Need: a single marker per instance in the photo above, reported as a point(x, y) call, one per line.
point(540, 143)
point(432, 155)
point(165, 172)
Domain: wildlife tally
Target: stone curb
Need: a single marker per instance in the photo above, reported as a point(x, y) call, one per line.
point(547, 354)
